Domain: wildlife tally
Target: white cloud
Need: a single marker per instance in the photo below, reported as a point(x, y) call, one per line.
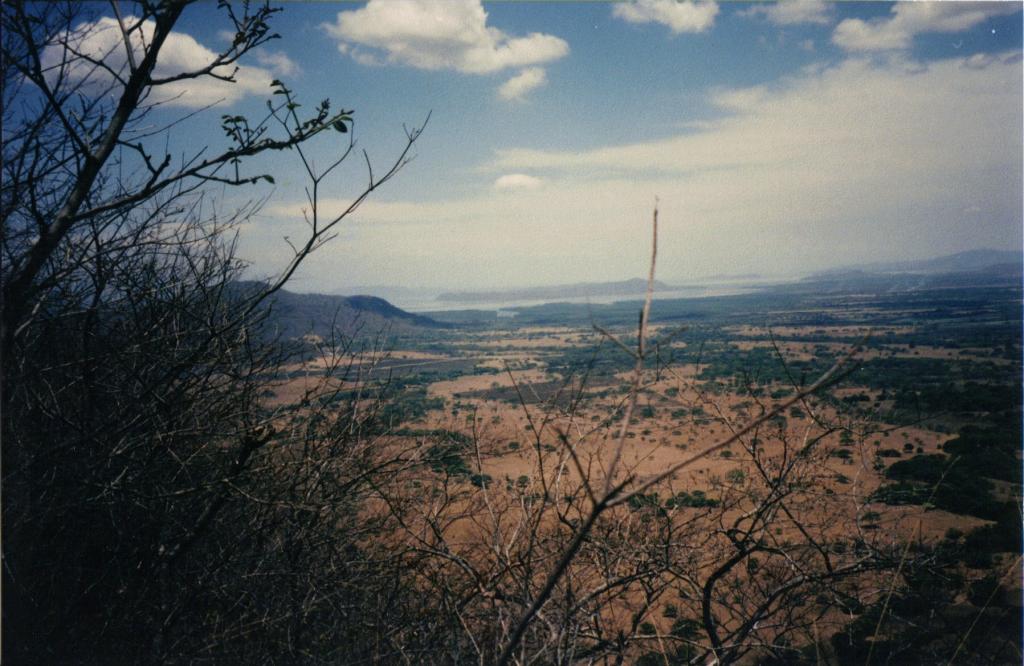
point(909, 19)
point(525, 81)
point(278, 62)
point(511, 182)
point(920, 118)
point(680, 16)
point(861, 161)
point(102, 40)
point(740, 99)
point(791, 12)
point(438, 35)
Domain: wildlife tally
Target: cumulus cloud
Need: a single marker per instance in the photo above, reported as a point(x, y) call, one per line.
point(678, 15)
point(909, 19)
point(791, 12)
point(859, 161)
point(511, 182)
point(437, 35)
point(102, 40)
point(278, 62)
point(525, 81)
point(919, 117)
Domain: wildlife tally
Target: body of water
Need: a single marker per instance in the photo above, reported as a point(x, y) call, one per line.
point(713, 289)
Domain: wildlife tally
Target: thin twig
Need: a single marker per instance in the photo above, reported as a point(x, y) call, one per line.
point(888, 596)
point(988, 602)
point(834, 374)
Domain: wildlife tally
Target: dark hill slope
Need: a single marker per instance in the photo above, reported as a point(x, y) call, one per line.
point(294, 315)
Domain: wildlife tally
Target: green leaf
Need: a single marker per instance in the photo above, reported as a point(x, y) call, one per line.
point(340, 126)
point(269, 179)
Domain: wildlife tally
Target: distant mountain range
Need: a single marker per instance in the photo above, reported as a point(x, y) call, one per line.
point(976, 268)
point(969, 261)
point(294, 315)
point(634, 287)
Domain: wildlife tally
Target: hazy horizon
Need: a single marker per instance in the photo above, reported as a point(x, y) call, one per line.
point(780, 139)
point(765, 278)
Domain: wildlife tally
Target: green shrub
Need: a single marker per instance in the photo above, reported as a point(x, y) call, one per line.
point(637, 502)
point(696, 499)
point(685, 629)
point(735, 476)
point(480, 480)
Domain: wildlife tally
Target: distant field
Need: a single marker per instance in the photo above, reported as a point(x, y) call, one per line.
point(920, 440)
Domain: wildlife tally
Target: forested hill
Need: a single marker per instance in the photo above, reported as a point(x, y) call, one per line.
point(294, 315)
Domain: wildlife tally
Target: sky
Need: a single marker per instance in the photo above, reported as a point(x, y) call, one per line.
point(776, 138)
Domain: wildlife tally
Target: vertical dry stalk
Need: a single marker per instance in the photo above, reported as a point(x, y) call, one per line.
point(611, 490)
point(638, 369)
point(615, 491)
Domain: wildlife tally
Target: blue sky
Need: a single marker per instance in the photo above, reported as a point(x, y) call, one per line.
point(779, 138)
